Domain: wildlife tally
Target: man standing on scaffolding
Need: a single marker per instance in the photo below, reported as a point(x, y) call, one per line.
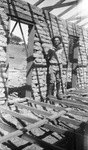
point(55, 58)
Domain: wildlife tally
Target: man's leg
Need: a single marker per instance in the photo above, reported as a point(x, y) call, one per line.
point(58, 86)
point(51, 84)
point(51, 89)
point(51, 81)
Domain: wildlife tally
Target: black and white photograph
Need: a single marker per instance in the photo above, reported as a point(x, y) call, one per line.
point(43, 74)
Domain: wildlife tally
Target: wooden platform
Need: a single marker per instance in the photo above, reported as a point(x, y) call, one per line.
point(55, 125)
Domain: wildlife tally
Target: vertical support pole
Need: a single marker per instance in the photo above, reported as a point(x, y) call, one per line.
point(7, 58)
point(75, 63)
point(30, 60)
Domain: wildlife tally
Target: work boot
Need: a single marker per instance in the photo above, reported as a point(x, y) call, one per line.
point(58, 93)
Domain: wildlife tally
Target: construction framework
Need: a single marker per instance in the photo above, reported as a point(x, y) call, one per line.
point(68, 118)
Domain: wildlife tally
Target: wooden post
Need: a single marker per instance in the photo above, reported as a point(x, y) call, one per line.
point(75, 63)
point(7, 60)
point(30, 60)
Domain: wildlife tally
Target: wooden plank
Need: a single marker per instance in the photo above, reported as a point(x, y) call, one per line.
point(81, 99)
point(30, 60)
point(38, 2)
point(29, 127)
point(27, 118)
point(20, 16)
point(33, 139)
point(70, 104)
point(29, 138)
point(65, 11)
point(42, 112)
point(51, 127)
point(71, 121)
point(20, 100)
point(67, 100)
point(17, 115)
point(79, 113)
point(59, 5)
point(68, 4)
point(44, 104)
point(49, 8)
point(7, 59)
point(55, 129)
point(68, 120)
point(74, 61)
point(34, 120)
point(23, 37)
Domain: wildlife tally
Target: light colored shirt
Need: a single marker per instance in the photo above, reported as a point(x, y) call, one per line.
point(56, 55)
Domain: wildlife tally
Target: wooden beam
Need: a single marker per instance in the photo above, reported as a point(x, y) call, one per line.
point(34, 139)
point(23, 37)
point(68, 4)
point(20, 16)
point(49, 114)
point(64, 99)
point(70, 104)
point(68, 9)
point(7, 60)
point(59, 5)
point(79, 98)
point(55, 129)
point(70, 121)
point(51, 127)
point(79, 113)
point(38, 2)
point(41, 112)
point(20, 100)
point(75, 63)
point(31, 33)
point(18, 115)
point(29, 127)
point(44, 104)
point(49, 8)
point(30, 138)
point(13, 28)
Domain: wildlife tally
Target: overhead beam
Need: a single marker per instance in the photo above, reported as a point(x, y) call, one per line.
point(39, 2)
point(68, 9)
point(68, 4)
point(58, 5)
point(42, 112)
point(49, 8)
